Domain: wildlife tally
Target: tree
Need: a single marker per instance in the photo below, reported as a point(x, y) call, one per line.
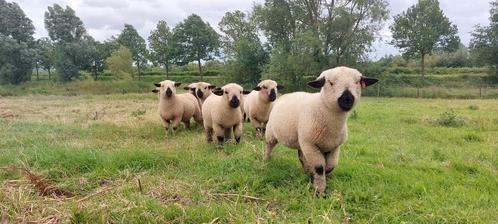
point(484, 43)
point(423, 28)
point(47, 54)
point(160, 43)
point(16, 44)
point(243, 48)
point(72, 43)
point(121, 63)
point(194, 40)
point(130, 38)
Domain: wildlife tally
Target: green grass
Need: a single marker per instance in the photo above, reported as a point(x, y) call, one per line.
point(399, 165)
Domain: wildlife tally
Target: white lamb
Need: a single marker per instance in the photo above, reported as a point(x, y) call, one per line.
point(315, 123)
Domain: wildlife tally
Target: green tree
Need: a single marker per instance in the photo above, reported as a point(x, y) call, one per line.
point(73, 45)
point(47, 55)
point(16, 44)
point(243, 48)
point(160, 44)
point(484, 43)
point(194, 40)
point(423, 28)
point(121, 63)
point(130, 38)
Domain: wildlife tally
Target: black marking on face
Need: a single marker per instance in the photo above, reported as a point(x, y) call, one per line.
point(317, 83)
point(273, 95)
point(157, 84)
point(319, 170)
point(169, 92)
point(234, 102)
point(199, 93)
point(346, 100)
point(177, 84)
point(257, 88)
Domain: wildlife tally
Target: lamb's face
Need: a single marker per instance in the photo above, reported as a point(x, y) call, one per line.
point(167, 88)
point(268, 89)
point(341, 87)
point(231, 93)
point(200, 89)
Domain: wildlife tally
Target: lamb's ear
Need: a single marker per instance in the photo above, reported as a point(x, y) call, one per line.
point(177, 84)
point(279, 87)
point(317, 83)
point(218, 91)
point(155, 90)
point(366, 81)
point(186, 88)
point(257, 88)
point(245, 92)
point(157, 84)
point(211, 86)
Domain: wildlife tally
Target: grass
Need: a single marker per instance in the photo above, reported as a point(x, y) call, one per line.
point(398, 165)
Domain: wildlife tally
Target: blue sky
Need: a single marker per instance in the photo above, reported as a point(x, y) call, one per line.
point(104, 18)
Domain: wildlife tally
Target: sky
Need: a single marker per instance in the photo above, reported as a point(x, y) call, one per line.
point(104, 18)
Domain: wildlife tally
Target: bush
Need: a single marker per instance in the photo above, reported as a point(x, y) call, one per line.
point(120, 63)
point(450, 119)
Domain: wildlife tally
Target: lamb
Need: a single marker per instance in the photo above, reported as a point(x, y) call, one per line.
point(259, 103)
point(201, 90)
point(221, 113)
point(175, 108)
point(315, 123)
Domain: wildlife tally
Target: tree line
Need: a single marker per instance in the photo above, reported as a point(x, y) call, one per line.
point(286, 40)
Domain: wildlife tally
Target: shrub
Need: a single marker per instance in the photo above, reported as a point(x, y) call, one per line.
point(450, 119)
point(120, 63)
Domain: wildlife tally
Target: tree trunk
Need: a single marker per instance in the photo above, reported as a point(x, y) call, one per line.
point(166, 65)
point(422, 64)
point(37, 75)
point(48, 74)
point(95, 72)
point(200, 68)
point(138, 69)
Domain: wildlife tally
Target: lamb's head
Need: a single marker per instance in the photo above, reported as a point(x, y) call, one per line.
point(268, 89)
point(200, 89)
point(166, 88)
point(341, 87)
point(231, 93)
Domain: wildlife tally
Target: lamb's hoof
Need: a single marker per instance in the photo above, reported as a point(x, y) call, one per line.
point(324, 194)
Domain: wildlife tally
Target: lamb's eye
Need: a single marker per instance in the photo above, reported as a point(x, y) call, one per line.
point(240, 92)
point(358, 83)
point(331, 84)
point(264, 87)
point(226, 92)
point(205, 87)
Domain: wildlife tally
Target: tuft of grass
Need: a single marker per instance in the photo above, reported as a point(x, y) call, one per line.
point(473, 107)
point(450, 119)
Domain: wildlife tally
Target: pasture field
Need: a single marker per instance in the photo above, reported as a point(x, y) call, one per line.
point(406, 161)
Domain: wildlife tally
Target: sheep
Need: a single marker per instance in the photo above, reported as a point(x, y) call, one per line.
point(201, 90)
point(221, 113)
point(259, 103)
point(175, 108)
point(315, 123)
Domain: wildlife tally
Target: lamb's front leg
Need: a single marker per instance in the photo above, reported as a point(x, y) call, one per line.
point(237, 132)
point(175, 123)
point(219, 131)
point(259, 127)
point(165, 126)
point(316, 165)
point(332, 159)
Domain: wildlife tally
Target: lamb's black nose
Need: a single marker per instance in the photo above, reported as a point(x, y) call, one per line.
point(169, 92)
point(346, 100)
point(272, 95)
point(234, 102)
point(199, 93)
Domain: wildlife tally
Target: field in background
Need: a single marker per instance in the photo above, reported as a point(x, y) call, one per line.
point(407, 160)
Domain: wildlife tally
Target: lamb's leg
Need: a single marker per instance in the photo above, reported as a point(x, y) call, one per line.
point(175, 123)
point(316, 163)
point(209, 134)
point(220, 135)
point(304, 164)
point(270, 143)
point(259, 127)
point(332, 159)
point(165, 126)
point(187, 124)
point(237, 132)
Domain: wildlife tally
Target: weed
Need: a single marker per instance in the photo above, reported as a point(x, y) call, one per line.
point(450, 119)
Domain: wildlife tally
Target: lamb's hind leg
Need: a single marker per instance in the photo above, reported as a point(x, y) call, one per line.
point(270, 143)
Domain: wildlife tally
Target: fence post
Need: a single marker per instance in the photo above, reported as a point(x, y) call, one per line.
point(378, 90)
point(480, 92)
